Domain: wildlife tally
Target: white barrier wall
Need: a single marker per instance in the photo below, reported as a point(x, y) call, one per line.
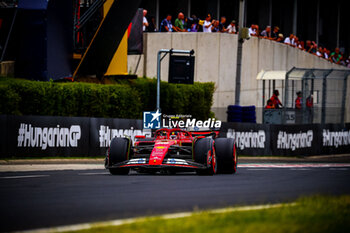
point(216, 56)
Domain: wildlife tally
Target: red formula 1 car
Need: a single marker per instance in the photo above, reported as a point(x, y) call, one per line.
point(171, 151)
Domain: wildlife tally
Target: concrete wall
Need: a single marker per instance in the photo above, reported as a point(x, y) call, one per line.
point(216, 62)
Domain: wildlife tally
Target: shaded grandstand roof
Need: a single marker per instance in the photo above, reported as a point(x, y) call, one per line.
point(303, 73)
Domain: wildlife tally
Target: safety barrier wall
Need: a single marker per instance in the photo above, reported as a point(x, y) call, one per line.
point(291, 140)
point(62, 136)
point(216, 62)
point(30, 136)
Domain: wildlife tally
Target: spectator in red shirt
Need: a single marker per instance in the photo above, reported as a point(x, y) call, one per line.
point(310, 101)
point(311, 47)
point(269, 105)
point(257, 30)
point(299, 100)
point(275, 101)
point(301, 45)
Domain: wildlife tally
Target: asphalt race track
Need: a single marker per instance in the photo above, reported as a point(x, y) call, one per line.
point(31, 200)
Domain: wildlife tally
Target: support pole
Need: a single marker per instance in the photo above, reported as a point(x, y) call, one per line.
point(239, 54)
point(158, 79)
point(189, 8)
point(263, 102)
point(338, 24)
point(285, 103)
point(317, 21)
point(292, 105)
point(157, 15)
point(324, 96)
point(263, 93)
point(295, 16)
point(342, 117)
point(218, 10)
point(8, 36)
point(238, 72)
point(270, 14)
point(305, 89)
point(312, 99)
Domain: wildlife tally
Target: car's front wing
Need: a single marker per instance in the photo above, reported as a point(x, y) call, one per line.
point(144, 163)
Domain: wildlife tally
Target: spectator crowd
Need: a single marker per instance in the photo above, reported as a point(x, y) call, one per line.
point(209, 25)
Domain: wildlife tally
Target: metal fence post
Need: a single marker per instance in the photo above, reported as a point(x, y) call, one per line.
point(324, 96)
point(344, 99)
point(158, 79)
point(286, 87)
point(312, 99)
point(263, 101)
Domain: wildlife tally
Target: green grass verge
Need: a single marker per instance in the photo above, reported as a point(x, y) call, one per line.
point(311, 214)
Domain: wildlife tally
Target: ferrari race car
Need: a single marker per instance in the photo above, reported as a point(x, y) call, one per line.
point(171, 151)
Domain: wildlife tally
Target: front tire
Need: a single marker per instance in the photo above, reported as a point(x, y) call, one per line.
point(119, 152)
point(204, 153)
point(226, 155)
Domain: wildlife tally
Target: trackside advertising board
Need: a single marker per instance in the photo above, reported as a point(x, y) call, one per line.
point(30, 136)
point(251, 139)
point(291, 140)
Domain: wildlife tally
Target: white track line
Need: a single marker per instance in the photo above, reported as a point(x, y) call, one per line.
point(259, 169)
point(61, 167)
point(292, 165)
point(48, 167)
point(19, 177)
point(118, 222)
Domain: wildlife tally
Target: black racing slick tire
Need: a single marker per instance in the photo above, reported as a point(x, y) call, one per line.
point(202, 148)
point(118, 152)
point(226, 155)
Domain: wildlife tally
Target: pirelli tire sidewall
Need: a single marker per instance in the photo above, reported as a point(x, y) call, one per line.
point(226, 155)
point(119, 151)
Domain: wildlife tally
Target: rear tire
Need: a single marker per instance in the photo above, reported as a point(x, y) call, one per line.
point(226, 155)
point(202, 148)
point(119, 152)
